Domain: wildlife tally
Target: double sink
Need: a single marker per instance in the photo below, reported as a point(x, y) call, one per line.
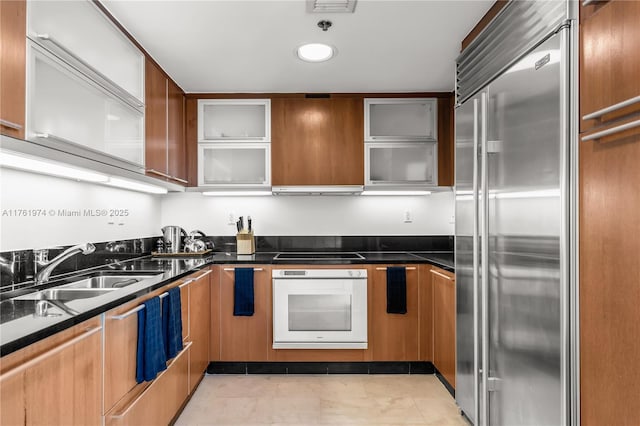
point(86, 287)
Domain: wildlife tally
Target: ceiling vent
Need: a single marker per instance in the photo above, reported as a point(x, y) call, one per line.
point(331, 6)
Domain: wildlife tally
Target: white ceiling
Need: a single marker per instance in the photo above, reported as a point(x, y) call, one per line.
point(249, 46)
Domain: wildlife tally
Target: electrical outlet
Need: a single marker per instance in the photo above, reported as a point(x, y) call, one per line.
point(408, 218)
point(231, 220)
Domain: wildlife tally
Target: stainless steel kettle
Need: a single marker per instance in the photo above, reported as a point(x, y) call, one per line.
point(173, 235)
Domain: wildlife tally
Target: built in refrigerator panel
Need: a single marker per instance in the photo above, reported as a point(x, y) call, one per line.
point(467, 131)
point(524, 143)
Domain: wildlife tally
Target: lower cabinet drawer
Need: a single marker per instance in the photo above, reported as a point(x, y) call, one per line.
point(160, 401)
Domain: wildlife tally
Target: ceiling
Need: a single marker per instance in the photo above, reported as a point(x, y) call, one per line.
point(249, 46)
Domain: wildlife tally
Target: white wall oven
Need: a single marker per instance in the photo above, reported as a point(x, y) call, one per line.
point(319, 309)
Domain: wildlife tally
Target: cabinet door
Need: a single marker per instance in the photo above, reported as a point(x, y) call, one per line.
point(12, 402)
point(444, 324)
point(400, 119)
point(13, 23)
point(66, 108)
point(317, 141)
point(425, 321)
point(393, 337)
point(609, 60)
point(609, 272)
point(70, 375)
point(234, 165)
point(199, 320)
point(401, 164)
point(176, 153)
point(80, 29)
point(155, 120)
point(234, 120)
point(245, 338)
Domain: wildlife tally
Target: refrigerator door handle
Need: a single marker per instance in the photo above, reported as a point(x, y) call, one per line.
point(476, 265)
point(483, 206)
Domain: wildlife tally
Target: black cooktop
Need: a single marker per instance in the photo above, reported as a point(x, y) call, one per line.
point(318, 256)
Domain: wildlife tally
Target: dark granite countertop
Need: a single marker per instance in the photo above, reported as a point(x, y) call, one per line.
point(19, 327)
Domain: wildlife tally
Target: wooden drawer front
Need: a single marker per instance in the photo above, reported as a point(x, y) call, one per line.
point(609, 60)
point(160, 401)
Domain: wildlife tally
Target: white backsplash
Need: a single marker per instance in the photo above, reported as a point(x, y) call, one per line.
point(24, 196)
point(313, 215)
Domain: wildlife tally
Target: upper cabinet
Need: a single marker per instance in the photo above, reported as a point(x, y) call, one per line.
point(234, 149)
point(78, 31)
point(225, 120)
point(609, 62)
point(406, 119)
point(401, 142)
point(85, 84)
point(164, 127)
point(317, 141)
point(13, 23)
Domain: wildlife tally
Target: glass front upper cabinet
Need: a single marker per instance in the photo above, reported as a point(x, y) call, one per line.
point(234, 165)
point(234, 120)
point(401, 164)
point(393, 119)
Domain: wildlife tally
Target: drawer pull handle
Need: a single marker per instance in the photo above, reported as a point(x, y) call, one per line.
point(186, 283)
point(233, 269)
point(49, 353)
point(611, 108)
point(410, 268)
point(135, 401)
point(612, 131)
point(441, 275)
point(10, 124)
point(136, 309)
point(155, 172)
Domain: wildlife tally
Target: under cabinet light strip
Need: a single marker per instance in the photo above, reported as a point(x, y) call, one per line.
point(46, 167)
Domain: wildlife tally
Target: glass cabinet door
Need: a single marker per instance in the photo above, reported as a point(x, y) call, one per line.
point(392, 119)
point(78, 30)
point(401, 163)
point(68, 110)
point(234, 165)
point(234, 120)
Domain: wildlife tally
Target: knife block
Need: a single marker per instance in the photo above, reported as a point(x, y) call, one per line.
point(246, 243)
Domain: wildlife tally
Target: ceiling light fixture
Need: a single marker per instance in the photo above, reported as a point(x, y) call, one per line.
point(20, 162)
point(315, 52)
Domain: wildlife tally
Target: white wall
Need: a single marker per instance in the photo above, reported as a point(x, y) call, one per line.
point(313, 215)
point(21, 191)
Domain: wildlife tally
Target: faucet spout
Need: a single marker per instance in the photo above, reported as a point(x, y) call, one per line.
point(47, 268)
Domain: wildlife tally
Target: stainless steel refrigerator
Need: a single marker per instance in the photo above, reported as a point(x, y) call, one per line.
point(514, 204)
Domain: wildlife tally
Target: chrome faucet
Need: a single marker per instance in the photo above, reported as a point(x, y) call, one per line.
point(46, 268)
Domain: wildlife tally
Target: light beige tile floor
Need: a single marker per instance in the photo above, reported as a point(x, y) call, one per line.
point(321, 400)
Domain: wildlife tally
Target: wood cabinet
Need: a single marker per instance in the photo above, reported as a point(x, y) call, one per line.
point(199, 321)
point(164, 126)
point(444, 323)
point(13, 27)
point(244, 338)
point(608, 209)
point(609, 60)
point(158, 404)
point(317, 141)
point(55, 381)
point(425, 313)
point(393, 337)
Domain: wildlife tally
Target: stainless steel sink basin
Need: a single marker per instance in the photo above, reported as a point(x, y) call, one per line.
point(106, 281)
point(66, 294)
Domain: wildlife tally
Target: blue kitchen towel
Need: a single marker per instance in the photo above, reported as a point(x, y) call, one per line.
point(396, 290)
point(172, 323)
point(150, 355)
point(243, 292)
